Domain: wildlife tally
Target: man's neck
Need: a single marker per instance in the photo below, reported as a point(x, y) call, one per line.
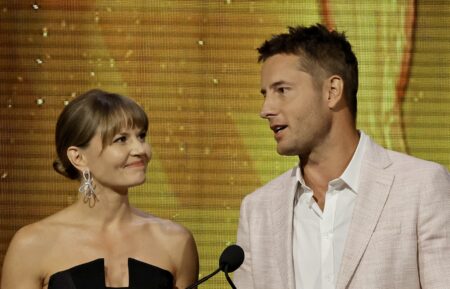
point(327, 163)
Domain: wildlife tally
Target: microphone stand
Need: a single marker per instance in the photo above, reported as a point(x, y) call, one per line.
point(204, 279)
point(225, 270)
point(231, 258)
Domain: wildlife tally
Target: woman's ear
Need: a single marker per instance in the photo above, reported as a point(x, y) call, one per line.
point(77, 158)
point(335, 91)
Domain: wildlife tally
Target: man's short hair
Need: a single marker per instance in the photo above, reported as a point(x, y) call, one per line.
point(322, 52)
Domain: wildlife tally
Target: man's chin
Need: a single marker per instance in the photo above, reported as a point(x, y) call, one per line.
point(283, 151)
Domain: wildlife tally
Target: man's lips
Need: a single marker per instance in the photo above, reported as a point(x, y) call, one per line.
point(277, 128)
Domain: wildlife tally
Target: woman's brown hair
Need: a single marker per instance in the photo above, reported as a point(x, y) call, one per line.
point(92, 112)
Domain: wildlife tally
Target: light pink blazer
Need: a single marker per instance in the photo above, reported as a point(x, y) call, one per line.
point(399, 236)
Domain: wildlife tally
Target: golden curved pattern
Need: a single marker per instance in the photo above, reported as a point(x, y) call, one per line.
point(192, 66)
point(177, 70)
point(385, 51)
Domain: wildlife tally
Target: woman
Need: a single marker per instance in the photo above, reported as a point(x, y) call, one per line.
point(101, 241)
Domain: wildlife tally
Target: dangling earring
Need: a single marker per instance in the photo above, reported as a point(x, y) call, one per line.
point(87, 188)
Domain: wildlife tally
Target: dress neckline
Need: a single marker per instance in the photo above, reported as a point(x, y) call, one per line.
point(91, 274)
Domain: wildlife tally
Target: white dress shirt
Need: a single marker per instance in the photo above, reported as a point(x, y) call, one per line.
point(319, 236)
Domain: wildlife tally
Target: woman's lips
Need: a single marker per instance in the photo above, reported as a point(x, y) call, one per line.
point(135, 164)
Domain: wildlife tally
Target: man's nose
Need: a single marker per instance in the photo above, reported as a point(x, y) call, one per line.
point(269, 107)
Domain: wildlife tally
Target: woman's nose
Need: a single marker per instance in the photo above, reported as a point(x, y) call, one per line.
point(138, 146)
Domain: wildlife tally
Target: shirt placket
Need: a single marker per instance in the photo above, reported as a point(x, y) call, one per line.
point(326, 234)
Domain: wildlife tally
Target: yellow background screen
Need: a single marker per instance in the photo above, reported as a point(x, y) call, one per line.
point(192, 66)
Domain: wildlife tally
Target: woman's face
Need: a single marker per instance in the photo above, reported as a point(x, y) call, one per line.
point(121, 164)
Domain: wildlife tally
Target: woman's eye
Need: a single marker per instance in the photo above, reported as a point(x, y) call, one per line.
point(120, 139)
point(142, 135)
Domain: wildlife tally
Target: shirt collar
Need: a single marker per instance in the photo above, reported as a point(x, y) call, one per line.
point(351, 173)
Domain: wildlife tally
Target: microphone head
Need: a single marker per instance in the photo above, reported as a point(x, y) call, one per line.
point(232, 257)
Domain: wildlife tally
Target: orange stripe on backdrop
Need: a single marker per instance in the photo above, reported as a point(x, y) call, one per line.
point(395, 137)
point(403, 79)
point(326, 14)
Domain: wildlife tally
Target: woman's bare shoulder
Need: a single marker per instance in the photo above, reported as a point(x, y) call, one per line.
point(39, 234)
point(27, 251)
point(164, 227)
point(28, 237)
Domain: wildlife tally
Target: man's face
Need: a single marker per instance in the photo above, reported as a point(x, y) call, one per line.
point(295, 107)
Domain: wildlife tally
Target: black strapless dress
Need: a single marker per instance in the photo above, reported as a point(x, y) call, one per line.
point(91, 275)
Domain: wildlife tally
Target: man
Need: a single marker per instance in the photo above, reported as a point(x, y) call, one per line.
point(352, 214)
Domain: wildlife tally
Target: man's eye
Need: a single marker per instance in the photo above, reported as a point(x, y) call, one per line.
point(282, 90)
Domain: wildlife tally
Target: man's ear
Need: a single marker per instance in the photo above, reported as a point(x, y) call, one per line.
point(77, 158)
point(335, 91)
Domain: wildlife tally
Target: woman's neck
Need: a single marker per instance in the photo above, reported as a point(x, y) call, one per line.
point(106, 208)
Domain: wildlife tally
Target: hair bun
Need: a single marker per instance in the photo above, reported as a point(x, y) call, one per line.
point(70, 172)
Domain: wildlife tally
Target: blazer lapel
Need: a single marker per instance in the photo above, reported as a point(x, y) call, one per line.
point(283, 204)
point(374, 189)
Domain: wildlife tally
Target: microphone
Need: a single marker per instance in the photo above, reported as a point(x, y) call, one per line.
point(232, 257)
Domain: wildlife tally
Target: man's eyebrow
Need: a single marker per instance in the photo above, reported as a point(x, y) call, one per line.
point(275, 84)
